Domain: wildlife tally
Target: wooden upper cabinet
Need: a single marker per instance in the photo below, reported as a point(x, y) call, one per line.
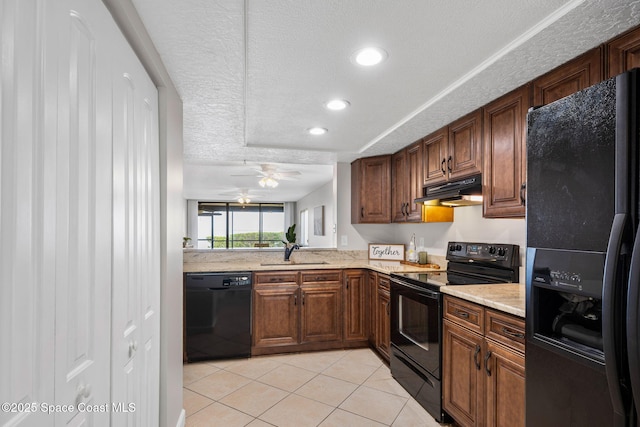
point(575, 75)
point(623, 53)
point(454, 151)
point(465, 146)
point(371, 190)
point(434, 150)
point(504, 153)
point(406, 172)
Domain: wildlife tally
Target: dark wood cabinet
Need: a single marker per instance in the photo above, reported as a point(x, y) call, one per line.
point(297, 311)
point(465, 146)
point(434, 157)
point(406, 172)
point(321, 312)
point(371, 190)
point(575, 75)
point(623, 53)
point(356, 316)
point(383, 317)
point(463, 381)
point(454, 151)
point(483, 365)
point(372, 301)
point(276, 315)
point(504, 155)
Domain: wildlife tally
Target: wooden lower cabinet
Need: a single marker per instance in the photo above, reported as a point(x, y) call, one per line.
point(383, 317)
point(321, 313)
point(297, 311)
point(276, 315)
point(356, 317)
point(483, 370)
point(463, 383)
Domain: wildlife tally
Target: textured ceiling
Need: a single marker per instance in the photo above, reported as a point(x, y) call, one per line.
point(254, 75)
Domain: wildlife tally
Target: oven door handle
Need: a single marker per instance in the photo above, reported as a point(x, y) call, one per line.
point(422, 291)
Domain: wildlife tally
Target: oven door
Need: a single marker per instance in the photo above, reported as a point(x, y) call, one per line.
point(415, 324)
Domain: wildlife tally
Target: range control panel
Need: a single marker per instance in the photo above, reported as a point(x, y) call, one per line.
point(506, 255)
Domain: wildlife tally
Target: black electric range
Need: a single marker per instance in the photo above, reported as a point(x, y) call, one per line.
point(416, 314)
point(472, 264)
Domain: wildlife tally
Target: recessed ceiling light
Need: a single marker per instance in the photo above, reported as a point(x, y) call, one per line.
point(317, 131)
point(369, 56)
point(337, 104)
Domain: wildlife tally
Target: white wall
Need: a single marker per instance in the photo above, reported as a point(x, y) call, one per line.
point(323, 196)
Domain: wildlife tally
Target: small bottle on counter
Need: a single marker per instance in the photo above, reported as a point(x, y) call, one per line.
point(412, 255)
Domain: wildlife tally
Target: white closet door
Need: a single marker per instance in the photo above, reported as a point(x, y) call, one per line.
point(136, 244)
point(83, 212)
point(27, 207)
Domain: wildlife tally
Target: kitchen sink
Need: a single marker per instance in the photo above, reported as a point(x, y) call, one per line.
point(293, 263)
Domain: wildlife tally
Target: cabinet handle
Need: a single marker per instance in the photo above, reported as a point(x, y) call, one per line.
point(362, 212)
point(388, 312)
point(346, 282)
point(295, 299)
point(523, 193)
point(462, 314)
point(486, 364)
point(513, 334)
point(444, 172)
point(449, 164)
point(302, 298)
point(475, 357)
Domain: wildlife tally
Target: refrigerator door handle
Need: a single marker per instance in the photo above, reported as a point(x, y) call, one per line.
point(633, 317)
point(608, 312)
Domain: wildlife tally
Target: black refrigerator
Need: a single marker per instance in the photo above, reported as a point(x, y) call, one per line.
point(583, 258)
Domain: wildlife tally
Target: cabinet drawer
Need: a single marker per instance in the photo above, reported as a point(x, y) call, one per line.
point(505, 329)
point(464, 313)
point(384, 282)
point(319, 276)
point(276, 277)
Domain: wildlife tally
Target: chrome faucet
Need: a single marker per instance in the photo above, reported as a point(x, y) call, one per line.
point(288, 250)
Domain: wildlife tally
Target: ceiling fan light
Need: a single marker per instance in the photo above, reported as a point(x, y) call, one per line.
point(269, 182)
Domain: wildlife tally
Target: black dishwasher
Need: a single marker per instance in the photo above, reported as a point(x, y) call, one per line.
point(218, 315)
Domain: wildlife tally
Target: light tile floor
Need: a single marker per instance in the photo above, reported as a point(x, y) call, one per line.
point(330, 388)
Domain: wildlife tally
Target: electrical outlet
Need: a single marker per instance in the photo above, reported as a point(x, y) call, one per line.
point(343, 240)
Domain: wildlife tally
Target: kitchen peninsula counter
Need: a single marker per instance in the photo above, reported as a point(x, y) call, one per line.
point(505, 297)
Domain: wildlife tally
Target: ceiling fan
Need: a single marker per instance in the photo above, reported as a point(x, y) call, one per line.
point(242, 196)
point(270, 175)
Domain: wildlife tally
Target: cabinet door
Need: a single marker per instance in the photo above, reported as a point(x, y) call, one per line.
point(399, 181)
point(371, 190)
point(321, 312)
point(355, 307)
point(414, 182)
point(623, 53)
point(465, 146)
point(575, 75)
point(383, 320)
point(504, 155)
point(505, 380)
point(372, 304)
point(463, 381)
point(275, 320)
point(434, 161)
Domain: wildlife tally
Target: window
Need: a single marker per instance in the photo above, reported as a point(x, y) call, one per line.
point(234, 225)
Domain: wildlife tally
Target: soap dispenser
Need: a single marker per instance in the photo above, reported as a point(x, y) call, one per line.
point(412, 255)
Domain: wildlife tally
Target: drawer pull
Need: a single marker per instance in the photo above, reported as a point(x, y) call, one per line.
point(475, 357)
point(462, 314)
point(513, 334)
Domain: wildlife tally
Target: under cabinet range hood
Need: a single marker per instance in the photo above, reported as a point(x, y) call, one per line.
point(464, 192)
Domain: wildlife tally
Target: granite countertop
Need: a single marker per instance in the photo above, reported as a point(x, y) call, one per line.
point(385, 267)
point(506, 297)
